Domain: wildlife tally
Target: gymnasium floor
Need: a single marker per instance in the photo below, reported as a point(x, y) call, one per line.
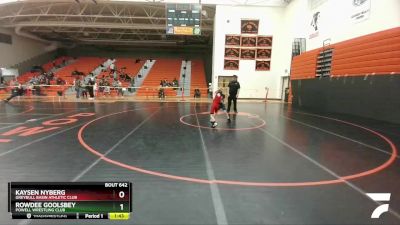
point(270, 165)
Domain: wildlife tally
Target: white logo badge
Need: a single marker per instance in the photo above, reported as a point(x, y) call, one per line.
point(381, 197)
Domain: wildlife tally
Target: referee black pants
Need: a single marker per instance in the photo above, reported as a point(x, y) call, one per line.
point(230, 99)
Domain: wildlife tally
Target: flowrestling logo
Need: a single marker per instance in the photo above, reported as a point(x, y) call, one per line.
point(379, 197)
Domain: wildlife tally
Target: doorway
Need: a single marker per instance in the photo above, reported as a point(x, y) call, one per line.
point(223, 82)
point(285, 88)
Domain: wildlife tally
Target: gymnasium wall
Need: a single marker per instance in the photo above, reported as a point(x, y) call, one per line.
point(271, 22)
point(335, 19)
point(364, 81)
point(21, 49)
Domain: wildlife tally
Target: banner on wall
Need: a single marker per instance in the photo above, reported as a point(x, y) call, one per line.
point(263, 53)
point(233, 53)
point(232, 40)
point(314, 25)
point(249, 26)
point(263, 65)
point(231, 64)
point(264, 41)
point(249, 41)
point(247, 54)
point(360, 10)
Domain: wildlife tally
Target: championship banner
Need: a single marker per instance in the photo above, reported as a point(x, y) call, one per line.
point(232, 40)
point(230, 64)
point(264, 41)
point(360, 10)
point(247, 54)
point(262, 65)
point(233, 53)
point(249, 26)
point(263, 53)
point(248, 41)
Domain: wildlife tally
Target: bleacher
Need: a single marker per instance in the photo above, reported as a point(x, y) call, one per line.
point(198, 78)
point(55, 63)
point(131, 67)
point(125, 65)
point(163, 69)
point(27, 76)
point(46, 67)
point(168, 69)
point(82, 64)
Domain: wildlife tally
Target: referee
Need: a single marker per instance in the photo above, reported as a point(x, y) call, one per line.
point(234, 87)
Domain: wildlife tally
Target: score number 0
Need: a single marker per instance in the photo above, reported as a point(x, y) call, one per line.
point(121, 194)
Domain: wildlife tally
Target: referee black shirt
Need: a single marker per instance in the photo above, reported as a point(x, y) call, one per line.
point(234, 86)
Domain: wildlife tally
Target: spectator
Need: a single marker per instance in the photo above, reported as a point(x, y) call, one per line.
point(60, 81)
point(106, 87)
point(115, 74)
point(101, 86)
point(50, 76)
point(132, 84)
point(197, 93)
point(161, 93)
point(77, 85)
point(84, 89)
point(175, 82)
point(33, 80)
point(165, 83)
point(90, 86)
point(95, 88)
point(118, 86)
point(112, 68)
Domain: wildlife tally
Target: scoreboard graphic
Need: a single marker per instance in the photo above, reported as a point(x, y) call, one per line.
point(71, 200)
point(183, 19)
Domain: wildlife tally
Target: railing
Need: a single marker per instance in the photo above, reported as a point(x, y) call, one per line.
point(151, 91)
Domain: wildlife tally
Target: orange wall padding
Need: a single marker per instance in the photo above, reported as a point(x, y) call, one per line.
point(377, 54)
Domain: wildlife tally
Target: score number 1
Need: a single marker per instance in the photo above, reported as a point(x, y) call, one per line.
point(121, 194)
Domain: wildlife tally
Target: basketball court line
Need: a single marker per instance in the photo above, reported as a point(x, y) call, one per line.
point(87, 169)
point(340, 136)
point(39, 139)
point(31, 108)
point(388, 132)
point(42, 118)
point(374, 170)
point(353, 186)
point(9, 123)
point(13, 125)
point(42, 138)
point(215, 193)
point(30, 114)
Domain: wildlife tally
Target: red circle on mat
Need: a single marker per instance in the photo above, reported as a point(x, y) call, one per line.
point(262, 122)
point(245, 183)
